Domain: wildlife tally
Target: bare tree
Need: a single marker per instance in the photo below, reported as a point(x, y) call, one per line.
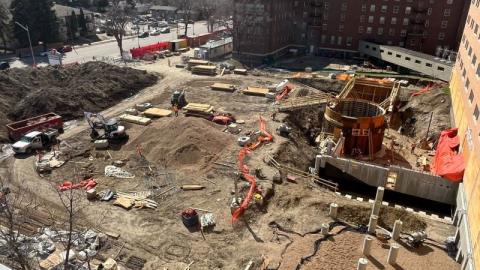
point(4, 25)
point(118, 17)
point(72, 202)
point(248, 16)
point(208, 8)
point(14, 213)
point(187, 8)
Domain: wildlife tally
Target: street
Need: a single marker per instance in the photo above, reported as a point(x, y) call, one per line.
point(110, 49)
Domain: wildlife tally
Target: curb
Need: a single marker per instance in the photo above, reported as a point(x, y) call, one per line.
point(422, 213)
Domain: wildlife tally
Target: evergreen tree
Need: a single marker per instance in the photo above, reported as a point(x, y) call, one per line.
point(73, 25)
point(82, 23)
point(39, 17)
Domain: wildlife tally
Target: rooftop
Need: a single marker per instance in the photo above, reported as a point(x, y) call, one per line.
point(65, 11)
point(420, 55)
point(218, 43)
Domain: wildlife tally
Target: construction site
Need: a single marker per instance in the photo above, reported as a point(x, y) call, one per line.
point(195, 167)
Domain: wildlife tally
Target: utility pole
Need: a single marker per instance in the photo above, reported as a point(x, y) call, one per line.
point(29, 40)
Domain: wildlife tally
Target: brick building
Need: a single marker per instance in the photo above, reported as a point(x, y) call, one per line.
point(335, 27)
point(465, 93)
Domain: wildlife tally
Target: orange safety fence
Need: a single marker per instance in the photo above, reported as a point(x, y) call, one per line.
point(423, 90)
point(246, 150)
point(284, 93)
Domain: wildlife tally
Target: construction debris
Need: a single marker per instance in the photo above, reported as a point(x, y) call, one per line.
point(256, 91)
point(113, 171)
point(192, 187)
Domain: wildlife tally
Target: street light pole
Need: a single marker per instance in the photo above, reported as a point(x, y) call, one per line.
point(29, 40)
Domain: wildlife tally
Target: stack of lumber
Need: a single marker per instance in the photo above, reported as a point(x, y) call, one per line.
point(240, 71)
point(156, 112)
point(135, 119)
point(204, 70)
point(255, 91)
point(223, 87)
point(196, 62)
point(138, 199)
point(198, 109)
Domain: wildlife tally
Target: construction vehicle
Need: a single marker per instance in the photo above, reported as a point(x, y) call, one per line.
point(178, 99)
point(416, 239)
point(35, 140)
point(50, 120)
point(112, 131)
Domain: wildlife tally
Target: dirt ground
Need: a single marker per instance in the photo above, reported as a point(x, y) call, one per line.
point(70, 91)
point(190, 150)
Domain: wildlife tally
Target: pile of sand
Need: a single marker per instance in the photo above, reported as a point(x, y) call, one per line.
point(68, 91)
point(185, 143)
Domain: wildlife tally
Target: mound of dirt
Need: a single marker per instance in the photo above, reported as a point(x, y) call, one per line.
point(68, 91)
point(416, 114)
point(186, 143)
point(361, 215)
point(325, 85)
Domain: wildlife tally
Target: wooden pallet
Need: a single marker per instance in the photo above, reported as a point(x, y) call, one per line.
point(255, 91)
point(198, 107)
point(223, 87)
point(156, 112)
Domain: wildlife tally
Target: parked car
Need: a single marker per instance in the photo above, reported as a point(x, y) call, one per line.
point(155, 32)
point(65, 49)
point(100, 30)
point(144, 35)
point(165, 30)
point(4, 65)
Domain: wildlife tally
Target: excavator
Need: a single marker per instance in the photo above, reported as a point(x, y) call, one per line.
point(112, 131)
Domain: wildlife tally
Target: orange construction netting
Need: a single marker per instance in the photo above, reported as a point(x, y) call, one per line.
point(264, 137)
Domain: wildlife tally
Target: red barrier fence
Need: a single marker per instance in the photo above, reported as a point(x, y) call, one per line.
point(139, 52)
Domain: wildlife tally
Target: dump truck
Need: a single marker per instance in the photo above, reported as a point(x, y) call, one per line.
point(35, 140)
point(45, 121)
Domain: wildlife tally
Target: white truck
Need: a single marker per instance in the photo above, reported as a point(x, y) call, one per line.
point(35, 140)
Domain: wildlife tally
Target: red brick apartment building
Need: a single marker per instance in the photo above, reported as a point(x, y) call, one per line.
point(266, 29)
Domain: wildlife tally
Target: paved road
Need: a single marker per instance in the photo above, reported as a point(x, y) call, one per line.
point(110, 49)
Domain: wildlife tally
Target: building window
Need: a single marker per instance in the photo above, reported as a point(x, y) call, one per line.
point(372, 8)
point(384, 9)
point(441, 68)
point(467, 84)
point(441, 36)
point(332, 40)
point(476, 29)
point(370, 19)
point(362, 18)
point(470, 51)
point(324, 26)
point(342, 17)
point(474, 60)
point(344, 6)
point(391, 32)
point(360, 29)
point(403, 33)
point(405, 21)
point(449, 2)
point(407, 58)
point(349, 41)
point(339, 41)
point(443, 24)
point(393, 20)
point(446, 12)
point(382, 20)
point(464, 73)
point(340, 28)
point(398, 56)
point(389, 53)
point(478, 71)
point(364, 7)
point(428, 64)
point(380, 31)
point(395, 9)
point(476, 113)
point(374, 48)
point(418, 62)
point(369, 30)
point(323, 39)
point(429, 11)
point(408, 10)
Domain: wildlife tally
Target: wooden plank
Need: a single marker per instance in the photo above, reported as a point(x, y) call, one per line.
point(156, 112)
point(223, 87)
point(199, 107)
point(135, 119)
point(257, 91)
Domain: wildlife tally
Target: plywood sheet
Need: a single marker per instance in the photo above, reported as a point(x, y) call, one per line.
point(156, 112)
point(257, 91)
point(135, 119)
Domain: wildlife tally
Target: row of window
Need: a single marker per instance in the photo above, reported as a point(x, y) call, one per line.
point(406, 58)
point(408, 10)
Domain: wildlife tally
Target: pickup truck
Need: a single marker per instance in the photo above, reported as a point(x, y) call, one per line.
point(35, 140)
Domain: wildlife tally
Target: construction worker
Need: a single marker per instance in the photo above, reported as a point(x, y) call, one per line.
point(175, 109)
point(169, 63)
